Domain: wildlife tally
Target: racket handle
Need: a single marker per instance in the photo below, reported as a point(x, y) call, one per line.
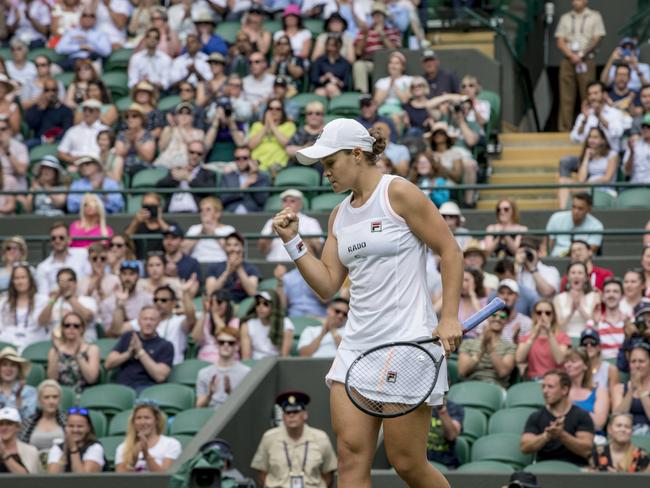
point(495, 305)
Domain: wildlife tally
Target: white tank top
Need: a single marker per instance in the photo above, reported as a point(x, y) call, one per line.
point(386, 262)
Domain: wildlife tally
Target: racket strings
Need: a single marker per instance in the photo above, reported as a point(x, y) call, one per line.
point(392, 380)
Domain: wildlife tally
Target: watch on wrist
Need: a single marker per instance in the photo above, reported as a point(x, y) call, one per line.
point(644, 394)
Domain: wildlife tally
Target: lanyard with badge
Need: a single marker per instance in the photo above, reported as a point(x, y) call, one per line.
point(296, 481)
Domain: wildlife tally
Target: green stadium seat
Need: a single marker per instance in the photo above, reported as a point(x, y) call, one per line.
point(37, 152)
point(99, 422)
point(462, 450)
point(272, 25)
point(503, 448)
point(603, 199)
point(37, 352)
point(315, 26)
point(273, 203)
point(184, 439)
point(50, 54)
point(634, 198)
point(542, 467)
point(68, 398)
point(487, 397)
point(245, 306)
point(118, 60)
point(123, 103)
point(249, 362)
point(5, 53)
point(105, 345)
point(267, 284)
point(67, 77)
point(6, 344)
point(110, 444)
point(326, 202)
point(329, 117)
point(495, 109)
point(36, 375)
point(186, 372)
point(109, 398)
point(222, 152)
point(474, 424)
point(440, 467)
point(304, 99)
point(119, 423)
point(147, 178)
point(172, 398)
point(642, 441)
point(168, 103)
point(486, 467)
point(526, 394)
point(228, 30)
point(509, 420)
point(301, 323)
point(189, 422)
point(346, 103)
point(117, 82)
point(452, 371)
point(297, 176)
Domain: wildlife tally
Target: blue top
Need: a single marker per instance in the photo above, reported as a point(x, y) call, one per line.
point(113, 202)
point(588, 403)
point(215, 44)
point(132, 373)
point(301, 300)
point(28, 398)
point(563, 221)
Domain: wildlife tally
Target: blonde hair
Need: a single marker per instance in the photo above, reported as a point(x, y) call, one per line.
point(131, 439)
point(100, 209)
point(214, 202)
point(48, 384)
point(628, 458)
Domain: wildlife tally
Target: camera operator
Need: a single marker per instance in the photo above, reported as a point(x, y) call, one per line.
point(636, 331)
point(532, 272)
point(224, 126)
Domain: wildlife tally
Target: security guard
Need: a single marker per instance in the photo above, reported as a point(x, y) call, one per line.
point(294, 455)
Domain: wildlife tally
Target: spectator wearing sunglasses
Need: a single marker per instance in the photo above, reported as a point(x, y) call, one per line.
point(322, 341)
point(46, 424)
point(16, 457)
point(247, 174)
point(14, 250)
point(101, 282)
point(258, 85)
point(173, 327)
point(142, 358)
point(46, 116)
point(178, 264)
point(217, 315)
point(67, 299)
point(71, 360)
point(265, 331)
point(85, 41)
point(121, 248)
point(603, 374)
point(488, 357)
point(80, 451)
point(214, 383)
point(306, 135)
point(128, 300)
point(145, 448)
point(62, 256)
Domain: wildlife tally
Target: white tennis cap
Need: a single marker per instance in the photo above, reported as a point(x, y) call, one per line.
point(337, 135)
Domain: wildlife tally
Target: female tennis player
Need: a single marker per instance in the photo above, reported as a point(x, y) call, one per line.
point(378, 236)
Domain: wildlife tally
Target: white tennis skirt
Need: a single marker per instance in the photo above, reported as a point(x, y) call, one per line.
point(345, 357)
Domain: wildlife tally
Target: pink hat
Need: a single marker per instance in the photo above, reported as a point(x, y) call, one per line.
point(291, 10)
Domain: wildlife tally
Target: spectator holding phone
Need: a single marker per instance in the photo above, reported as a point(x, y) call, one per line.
point(149, 220)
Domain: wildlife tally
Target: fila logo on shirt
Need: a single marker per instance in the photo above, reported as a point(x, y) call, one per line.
point(375, 226)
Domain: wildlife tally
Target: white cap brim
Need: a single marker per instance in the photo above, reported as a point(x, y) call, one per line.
point(313, 154)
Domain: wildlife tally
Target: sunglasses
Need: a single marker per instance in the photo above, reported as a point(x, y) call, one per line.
point(314, 113)
point(130, 264)
point(58, 238)
point(276, 109)
point(235, 85)
point(222, 342)
point(589, 344)
point(161, 300)
point(262, 302)
point(74, 325)
point(78, 411)
point(503, 209)
point(469, 85)
point(501, 315)
point(256, 61)
point(196, 153)
point(340, 312)
point(548, 313)
point(50, 90)
point(242, 158)
point(117, 244)
point(186, 89)
point(94, 259)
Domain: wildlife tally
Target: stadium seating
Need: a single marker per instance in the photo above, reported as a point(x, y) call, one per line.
point(463, 450)
point(105, 345)
point(634, 198)
point(186, 372)
point(440, 467)
point(171, 398)
point(526, 394)
point(38, 152)
point(297, 176)
point(119, 423)
point(110, 444)
point(99, 422)
point(542, 467)
point(118, 60)
point(190, 421)
point(474, 424)
point(37, 352)
point(108, 398)
point(486, 397)
point(642, 441)
point(503, 448)
point(346, 104)
point(68, 398)
point(326, 202)
point(509, 420)
point(485, 467)
point(267, 284)
point(36, 374)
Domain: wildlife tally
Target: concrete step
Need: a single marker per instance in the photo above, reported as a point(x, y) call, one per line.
point(532, 165)
point(526, 138)
point(535, 151)
point(523, 177)
point(487, 49)
point(519, 193)
point(522, 204)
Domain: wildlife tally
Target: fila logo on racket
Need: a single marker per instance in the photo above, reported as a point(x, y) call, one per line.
point(375, 226)
point(391, 377)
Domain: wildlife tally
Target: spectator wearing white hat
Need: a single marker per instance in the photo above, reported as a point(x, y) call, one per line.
point(517, 324)
point(273, 249)
point(16, 457)
point(81, 139)
point(450, 211)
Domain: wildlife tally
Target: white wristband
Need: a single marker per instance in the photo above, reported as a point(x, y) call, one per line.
point(296, 248)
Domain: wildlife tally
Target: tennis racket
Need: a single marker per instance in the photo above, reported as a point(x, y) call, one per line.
point(394, 379)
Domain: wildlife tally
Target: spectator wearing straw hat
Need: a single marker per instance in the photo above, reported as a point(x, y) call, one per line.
point(135, 144)
point(14, 157)
point(14, 392)
point(16, 457)
point(47, 175)
point(205, 23)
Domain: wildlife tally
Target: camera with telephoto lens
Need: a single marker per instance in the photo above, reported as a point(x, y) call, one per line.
point(457, 107)
point(224, 103)
point(640, 323)
point(530, 257)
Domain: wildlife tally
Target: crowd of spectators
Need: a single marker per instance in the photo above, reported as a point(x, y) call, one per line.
point(161, 296)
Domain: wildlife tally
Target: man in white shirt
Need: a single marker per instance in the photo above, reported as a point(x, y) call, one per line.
point(19, 68)
point(181, 14)
point(172, 327)
point(62, 256)
point(112, 18)
point(215, 382)
point(322, 342)
point(14, 156)
point(258, 85)
point(273, 249)
point(150, 64)
point(532, 272)
point(81, 139)
point(636, 162)
point(84, 42)
point(192, 66)
point(30, 21)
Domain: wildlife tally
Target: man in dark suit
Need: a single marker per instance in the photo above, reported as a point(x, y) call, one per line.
point(247, 175)
point(193, 175)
